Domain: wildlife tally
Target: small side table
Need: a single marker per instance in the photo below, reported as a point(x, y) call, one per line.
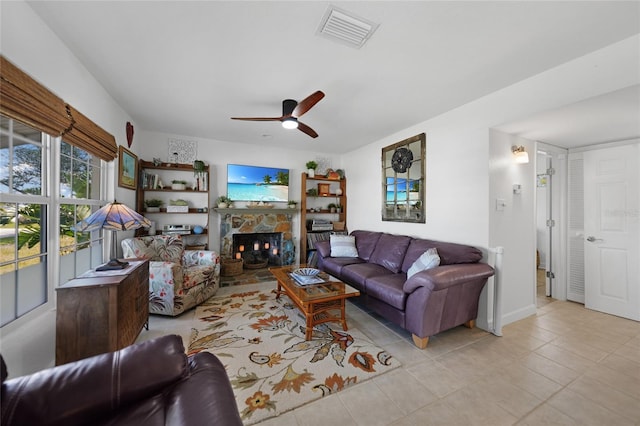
point(100, 312)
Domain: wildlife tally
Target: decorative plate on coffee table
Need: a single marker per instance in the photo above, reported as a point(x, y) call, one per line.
point(306, 272)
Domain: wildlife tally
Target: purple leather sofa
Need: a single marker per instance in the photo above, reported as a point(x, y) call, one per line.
point(430, 301)
point(151, 383)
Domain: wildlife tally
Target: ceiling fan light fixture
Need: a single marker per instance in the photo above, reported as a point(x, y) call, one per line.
point(290, 123)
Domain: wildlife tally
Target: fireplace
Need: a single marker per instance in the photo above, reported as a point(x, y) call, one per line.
point(258, 250)
point(271, 231)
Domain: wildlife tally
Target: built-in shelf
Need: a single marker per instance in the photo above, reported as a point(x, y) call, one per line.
point(198, 199)
point(319, 200)
point(255, 210)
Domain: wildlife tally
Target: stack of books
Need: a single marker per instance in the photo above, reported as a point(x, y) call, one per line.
point(320, 225)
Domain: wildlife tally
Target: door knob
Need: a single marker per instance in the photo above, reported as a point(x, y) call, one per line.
point(593, 239)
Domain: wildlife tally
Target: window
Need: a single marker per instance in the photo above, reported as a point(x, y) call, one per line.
point(31, 207)
point(80, 179)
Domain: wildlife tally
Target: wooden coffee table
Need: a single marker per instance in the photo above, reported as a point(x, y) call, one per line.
point(320, 303)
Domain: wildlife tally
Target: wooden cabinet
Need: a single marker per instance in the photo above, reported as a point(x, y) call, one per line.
point(314, 204)
point(155, 182)
point(101, 312)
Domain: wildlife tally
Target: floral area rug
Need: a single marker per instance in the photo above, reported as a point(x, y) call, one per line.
point(260, 340)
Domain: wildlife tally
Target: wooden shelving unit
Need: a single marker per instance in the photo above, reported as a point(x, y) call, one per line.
point(321, 201)
point(199, 199)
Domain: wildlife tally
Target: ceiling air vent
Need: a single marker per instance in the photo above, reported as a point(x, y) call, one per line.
point(345, 27)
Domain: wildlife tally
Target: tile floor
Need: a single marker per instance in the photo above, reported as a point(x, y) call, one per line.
point(565, 366)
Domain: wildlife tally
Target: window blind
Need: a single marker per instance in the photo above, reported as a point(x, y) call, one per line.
point(87, 135)
point(27, 101)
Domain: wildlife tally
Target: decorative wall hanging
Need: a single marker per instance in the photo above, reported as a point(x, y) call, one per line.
point(324, 163)
point(182, 151)
point(403, 180)
point(129, 129)
point(127, 168)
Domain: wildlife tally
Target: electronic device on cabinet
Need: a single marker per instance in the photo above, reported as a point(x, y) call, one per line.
point(177, 229)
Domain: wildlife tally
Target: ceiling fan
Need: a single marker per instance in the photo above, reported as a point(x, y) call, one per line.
point(291, 111)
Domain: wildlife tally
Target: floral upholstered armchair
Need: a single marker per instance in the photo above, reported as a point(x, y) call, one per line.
point(179, 279)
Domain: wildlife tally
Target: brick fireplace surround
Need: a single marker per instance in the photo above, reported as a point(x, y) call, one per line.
point(245, 221)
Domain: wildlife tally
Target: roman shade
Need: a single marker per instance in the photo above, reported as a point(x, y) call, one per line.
point(87, 135)
point(25, 100)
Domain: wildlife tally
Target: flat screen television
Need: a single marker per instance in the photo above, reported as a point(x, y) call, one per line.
point(256, 183)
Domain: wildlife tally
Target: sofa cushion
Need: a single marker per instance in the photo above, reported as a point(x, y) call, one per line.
point(334, 265)
point(429, 259)
point(160, 248)
point(366, 242)
point(390, 251)
point(388, 288)
point(343, 246)
point(450, 253)
point(356, 274)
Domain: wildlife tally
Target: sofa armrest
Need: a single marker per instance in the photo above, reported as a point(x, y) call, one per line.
point(167, 273)
point(93, 388)
point(323, 248)
point(206, 397)
point(200, 257)
point(445, 276)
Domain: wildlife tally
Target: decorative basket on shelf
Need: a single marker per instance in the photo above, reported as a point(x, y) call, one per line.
point(231, 267)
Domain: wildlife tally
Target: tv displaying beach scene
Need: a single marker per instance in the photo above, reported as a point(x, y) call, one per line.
point(256, 183)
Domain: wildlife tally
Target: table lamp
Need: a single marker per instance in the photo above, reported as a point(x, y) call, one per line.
point(114, 217)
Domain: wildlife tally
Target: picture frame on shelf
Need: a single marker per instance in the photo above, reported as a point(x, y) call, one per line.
point(127, 168)
point(323, 189)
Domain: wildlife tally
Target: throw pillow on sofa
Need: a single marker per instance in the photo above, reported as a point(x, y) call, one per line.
point(429, 259)
point(343, 246)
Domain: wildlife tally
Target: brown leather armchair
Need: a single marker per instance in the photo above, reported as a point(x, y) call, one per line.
point(151, 383)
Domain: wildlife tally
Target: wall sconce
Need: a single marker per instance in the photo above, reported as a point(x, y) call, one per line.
point(520, 154)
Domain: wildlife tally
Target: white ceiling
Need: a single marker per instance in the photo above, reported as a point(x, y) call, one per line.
point(187, 67)
point(610, 117)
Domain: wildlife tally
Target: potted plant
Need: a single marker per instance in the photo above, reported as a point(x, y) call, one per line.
point(332, 207)
point(178, 185)
point(152, 205)
point(339, 208)
point(292, 204)
point(223, 202)
point(312, 192)
point(311, 168)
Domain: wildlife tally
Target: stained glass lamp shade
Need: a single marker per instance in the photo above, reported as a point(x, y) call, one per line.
point(114, 217)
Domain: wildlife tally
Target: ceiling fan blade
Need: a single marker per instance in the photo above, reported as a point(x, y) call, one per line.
point(258, 118)
point(307, 103)
point(306, 129)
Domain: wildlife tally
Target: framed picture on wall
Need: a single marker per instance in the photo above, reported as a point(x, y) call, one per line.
point(127, 169)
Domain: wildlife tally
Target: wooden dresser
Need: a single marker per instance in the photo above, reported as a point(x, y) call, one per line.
point(101, 312)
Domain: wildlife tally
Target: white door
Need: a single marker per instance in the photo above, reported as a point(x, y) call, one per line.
point(612, 230)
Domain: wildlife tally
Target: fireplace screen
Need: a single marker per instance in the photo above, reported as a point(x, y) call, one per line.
point(258, 250)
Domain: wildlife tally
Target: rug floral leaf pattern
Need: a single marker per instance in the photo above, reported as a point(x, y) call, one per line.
point(272, 368)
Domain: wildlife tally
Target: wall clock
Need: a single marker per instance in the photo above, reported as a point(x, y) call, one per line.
point(401, 160)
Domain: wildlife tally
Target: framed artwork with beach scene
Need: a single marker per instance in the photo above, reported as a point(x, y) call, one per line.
point(403, 180)
point(127, 168)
